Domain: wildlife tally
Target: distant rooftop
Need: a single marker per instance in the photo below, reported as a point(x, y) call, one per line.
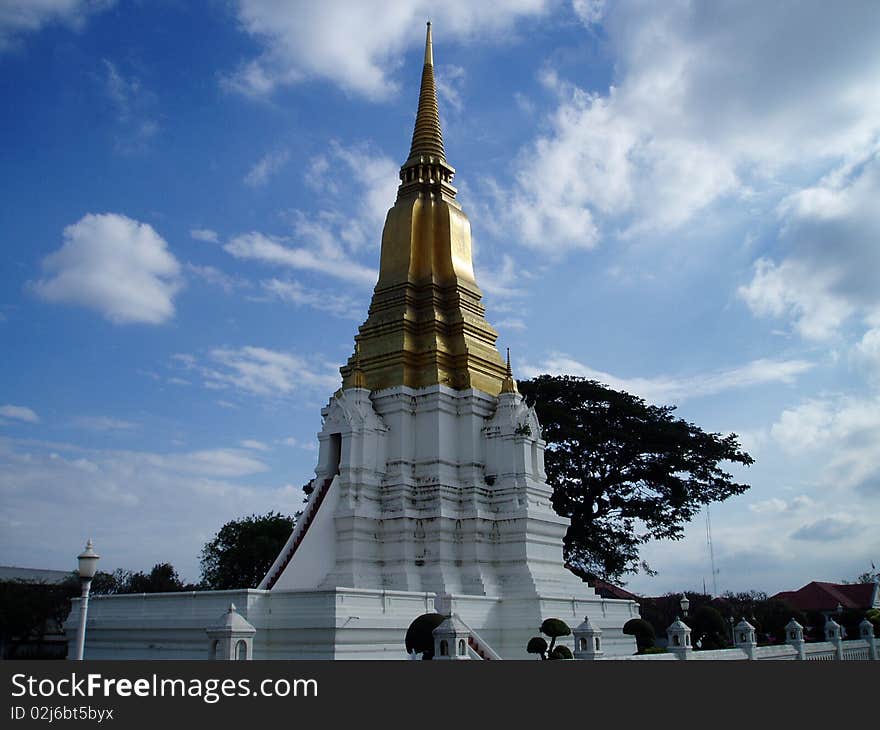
point(821, 596)
point(33, 575)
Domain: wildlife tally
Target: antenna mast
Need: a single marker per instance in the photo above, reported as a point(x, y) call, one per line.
point(711, 553)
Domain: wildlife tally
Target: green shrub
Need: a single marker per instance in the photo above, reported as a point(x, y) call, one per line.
point(555, 627)
point(642, 630)
point(561, 652)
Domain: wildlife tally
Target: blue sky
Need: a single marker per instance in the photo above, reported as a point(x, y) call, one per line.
point(679, 199)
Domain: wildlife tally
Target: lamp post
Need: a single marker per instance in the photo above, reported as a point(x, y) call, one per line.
point(685, 604)
point(88, 564)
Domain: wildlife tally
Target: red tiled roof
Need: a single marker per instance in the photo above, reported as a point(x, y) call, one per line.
point(609, 590)
point(819, 596)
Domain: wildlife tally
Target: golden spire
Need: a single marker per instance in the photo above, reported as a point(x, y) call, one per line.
point(509, 384)
point(426, 323)
point(359, 379)
point(427, 140)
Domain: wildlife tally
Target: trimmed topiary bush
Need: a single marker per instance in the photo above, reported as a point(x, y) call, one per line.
point(554, 628)
point(537, 645)
point(642, 630)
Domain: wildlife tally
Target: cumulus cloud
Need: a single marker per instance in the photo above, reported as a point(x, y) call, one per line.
point(20, 17)
point(844, 431)
point(119, 267)
point(303, 41)
point(19, 413)
point(676, 389)
point(831, 269)
point(707, 104)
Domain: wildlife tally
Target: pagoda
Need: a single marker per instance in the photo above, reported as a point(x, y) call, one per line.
point(430, 493)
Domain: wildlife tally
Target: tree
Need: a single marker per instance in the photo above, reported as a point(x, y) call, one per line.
point(624, 471)
point(708, 628)
point(241, 553)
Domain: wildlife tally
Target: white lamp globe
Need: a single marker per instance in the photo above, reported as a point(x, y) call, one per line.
point(88, 562)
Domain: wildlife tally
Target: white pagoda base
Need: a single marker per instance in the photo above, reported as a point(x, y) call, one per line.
point(424, 500)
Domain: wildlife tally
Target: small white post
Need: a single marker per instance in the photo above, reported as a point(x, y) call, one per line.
point(794, 637)
point(678, 635)
point(833, 634)
point(745, 638)
point(866, 632)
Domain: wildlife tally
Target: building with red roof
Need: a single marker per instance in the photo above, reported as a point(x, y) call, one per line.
point(827, 597)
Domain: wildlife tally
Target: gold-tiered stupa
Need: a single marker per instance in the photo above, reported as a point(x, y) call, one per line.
point(426, 324)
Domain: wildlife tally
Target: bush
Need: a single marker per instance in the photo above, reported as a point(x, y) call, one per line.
point(537, 645)
point(642, 630)
point(555, 627)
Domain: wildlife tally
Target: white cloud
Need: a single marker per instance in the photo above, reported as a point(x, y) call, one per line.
point(368, 178)
point(843, 432)
point(867, 351)
point(323, 254)
point(213, 276)
point(707, 103)
point(116, 266)
point(450, 80)
point(775, 505)
point(104, 423)
point(832, 268)
point(500, 282)
point(19, 17)
point(295, 293)
point(265, 372)
point(204, 234)
point(675, 389)
point(254, 445)
point(134, 108)
point(316, 40)
point(794, 289)
point(19, 413)
point(140, 507)
point(265, 168)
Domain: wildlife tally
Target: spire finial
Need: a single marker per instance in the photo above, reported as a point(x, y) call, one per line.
point(427, 140)
point(509, 384)
point(429, 48)
point(359, 379)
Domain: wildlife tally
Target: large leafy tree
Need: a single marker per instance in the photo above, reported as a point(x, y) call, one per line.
point(243, 550)
point(624, 471)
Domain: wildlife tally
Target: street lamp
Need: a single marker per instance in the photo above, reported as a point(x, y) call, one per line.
point(685, 604)
point(88, 564)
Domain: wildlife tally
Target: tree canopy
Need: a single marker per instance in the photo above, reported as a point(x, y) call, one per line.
point(624, 471)
point(242, 551)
